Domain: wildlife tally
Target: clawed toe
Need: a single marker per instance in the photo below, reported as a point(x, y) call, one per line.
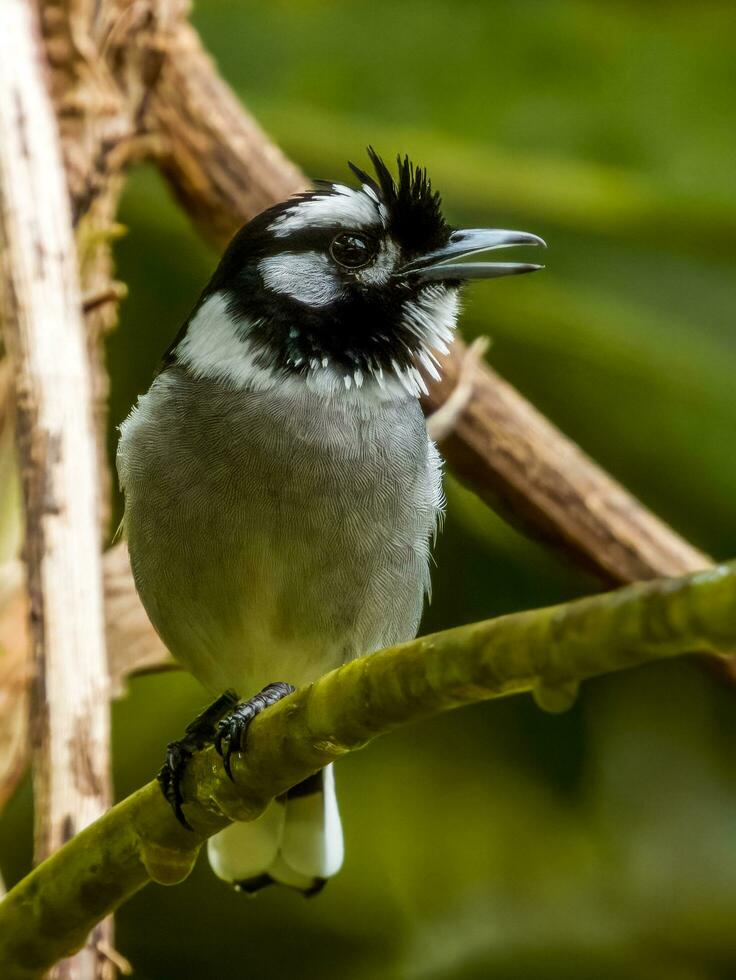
point(210, 727)
point(232, 730)
point(231, 734)
point(169, 778)
point(197, 735)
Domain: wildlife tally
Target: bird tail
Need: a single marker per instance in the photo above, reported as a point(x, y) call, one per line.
point(297, 841)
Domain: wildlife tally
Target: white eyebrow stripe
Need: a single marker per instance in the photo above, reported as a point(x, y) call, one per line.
point(346, 208)
point(307, 277)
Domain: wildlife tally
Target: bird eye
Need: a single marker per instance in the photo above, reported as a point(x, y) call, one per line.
point(351, 251)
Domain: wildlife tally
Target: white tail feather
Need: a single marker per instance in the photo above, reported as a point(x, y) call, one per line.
point(245, 850)
point(296, 842)
point(312, 841)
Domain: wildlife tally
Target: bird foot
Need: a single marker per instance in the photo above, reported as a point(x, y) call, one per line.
point(232, 730)
point(224, 723)
point(198, 734)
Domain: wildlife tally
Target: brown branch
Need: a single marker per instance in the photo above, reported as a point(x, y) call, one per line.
point(103, 59)
point(219, 163)
point(130, 80)
point(520, 464)
point(46, 341)
point(224, 169)
point(114, 292)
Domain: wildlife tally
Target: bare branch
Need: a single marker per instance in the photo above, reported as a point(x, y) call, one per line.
point(443, 420)
point(220, 164)
point(548, 652)
point(224, 169)
point(103, 60)
point(45, 337)
point(519, 463)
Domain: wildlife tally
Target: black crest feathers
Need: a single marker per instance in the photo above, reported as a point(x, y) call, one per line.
point(415, 210)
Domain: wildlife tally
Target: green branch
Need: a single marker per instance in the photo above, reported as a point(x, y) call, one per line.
point(549, 651)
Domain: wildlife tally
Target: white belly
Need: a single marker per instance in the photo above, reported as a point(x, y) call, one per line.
point(273, 538)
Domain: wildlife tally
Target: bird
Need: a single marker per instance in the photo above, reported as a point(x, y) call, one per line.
point(282, 493)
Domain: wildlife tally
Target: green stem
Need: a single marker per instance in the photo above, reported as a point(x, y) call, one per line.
point(548, 651)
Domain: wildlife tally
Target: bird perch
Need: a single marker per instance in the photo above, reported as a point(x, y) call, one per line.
point(549, 651)
point(132, 81)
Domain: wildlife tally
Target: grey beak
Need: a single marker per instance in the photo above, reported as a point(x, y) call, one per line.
point(437, 265)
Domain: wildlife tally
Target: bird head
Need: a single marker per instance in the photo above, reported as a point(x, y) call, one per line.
point(347, 289)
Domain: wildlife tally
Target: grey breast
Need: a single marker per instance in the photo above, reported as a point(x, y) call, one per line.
point(274, 535)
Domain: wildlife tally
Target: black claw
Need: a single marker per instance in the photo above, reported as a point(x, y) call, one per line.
point(226, 763)
point(227, 734)
point(169, 778)
point(197, 735)
point(232, 730)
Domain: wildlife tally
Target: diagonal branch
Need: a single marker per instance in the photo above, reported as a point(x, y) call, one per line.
point(224, 169)
point(220, 164)
point(522, 465)
point(131, 80)
point(548, 651)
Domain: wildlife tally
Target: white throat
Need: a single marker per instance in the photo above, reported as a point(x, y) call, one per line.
point(216, 346)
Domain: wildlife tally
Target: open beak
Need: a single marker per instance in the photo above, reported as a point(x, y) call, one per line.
point(442, 264)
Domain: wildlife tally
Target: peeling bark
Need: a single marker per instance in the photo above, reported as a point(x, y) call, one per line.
point(46, 342)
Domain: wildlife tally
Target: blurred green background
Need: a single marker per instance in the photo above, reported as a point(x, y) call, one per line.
point(499, 842)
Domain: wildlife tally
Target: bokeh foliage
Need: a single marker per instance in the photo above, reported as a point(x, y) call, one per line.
point(499, 842)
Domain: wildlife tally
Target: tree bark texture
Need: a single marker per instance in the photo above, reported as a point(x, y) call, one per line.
point(46, 342)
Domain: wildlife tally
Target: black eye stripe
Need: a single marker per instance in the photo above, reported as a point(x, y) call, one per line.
point(352, 251)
